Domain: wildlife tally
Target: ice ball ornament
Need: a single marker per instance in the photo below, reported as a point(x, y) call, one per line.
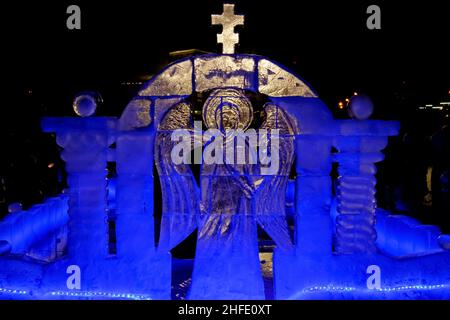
point(15, 207)
point(85, 104)
point(360, 107)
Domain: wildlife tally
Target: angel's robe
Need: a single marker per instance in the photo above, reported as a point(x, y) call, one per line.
point(235, 198)
point(231, 200)
point(227, 261)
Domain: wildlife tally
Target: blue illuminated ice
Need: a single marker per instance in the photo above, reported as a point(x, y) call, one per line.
point(104, 225)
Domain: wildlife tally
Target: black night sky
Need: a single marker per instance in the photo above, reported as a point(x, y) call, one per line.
point(402, 66)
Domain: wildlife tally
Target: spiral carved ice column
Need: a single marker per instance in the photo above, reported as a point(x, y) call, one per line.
point(359, 143)
point(355, 192)
point(355, 224)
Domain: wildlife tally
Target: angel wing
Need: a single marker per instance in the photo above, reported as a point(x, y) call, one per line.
point(180, 191)
point(269, 199)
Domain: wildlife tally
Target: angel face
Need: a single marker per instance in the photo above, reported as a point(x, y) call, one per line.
point(227, 109)
point(227, 118)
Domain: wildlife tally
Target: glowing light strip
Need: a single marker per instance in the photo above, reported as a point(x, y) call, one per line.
point(13, 291)
point(401, 288)
point(305, 292)
point(328, 288)
point(94, 294)
point(133, 296)
point(416, 287)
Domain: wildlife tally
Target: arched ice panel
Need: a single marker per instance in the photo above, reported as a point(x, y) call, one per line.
point(206, 72)
point(213, 71)
point(175, 80)
point(275, 81)
point(135, 115)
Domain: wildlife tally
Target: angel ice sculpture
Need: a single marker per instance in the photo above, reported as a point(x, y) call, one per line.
point(233, 197)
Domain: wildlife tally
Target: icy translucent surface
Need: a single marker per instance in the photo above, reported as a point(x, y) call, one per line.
point(85, 105)
point(334, 244)
point(180, 191)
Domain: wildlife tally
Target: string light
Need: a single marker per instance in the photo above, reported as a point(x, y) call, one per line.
point(13, 291)
point(86, 294)
point(387, 289)
point(98, 294)
point(132, 296)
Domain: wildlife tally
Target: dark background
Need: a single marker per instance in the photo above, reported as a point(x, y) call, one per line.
point(402, 66)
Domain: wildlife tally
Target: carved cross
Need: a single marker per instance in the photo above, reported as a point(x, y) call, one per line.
point(228, 20)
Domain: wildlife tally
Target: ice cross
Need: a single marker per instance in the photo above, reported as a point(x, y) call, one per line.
point(228, 20)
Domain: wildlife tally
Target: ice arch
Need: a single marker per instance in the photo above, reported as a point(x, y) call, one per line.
point(181, 79)
point(250, 72)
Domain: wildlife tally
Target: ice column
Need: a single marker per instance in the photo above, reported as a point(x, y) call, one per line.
point(313, 194)
point(134, 225)
point(85, 142)
point(359, 148)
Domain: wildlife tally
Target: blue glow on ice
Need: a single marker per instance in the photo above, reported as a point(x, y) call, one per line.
point(335, 238)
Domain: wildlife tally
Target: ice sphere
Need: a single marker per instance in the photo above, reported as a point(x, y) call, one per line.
point(14, 207)
point(360, 107)
point(85, 104)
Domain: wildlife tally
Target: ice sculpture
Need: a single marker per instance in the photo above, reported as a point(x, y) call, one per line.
point(227, 233)
point(270, 196)
point(181, 194)
point(61, 248)
point(85, 103)
point(22, 230)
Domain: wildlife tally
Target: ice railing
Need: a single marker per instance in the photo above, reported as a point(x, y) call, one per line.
point(21, 230)
point(401, 236)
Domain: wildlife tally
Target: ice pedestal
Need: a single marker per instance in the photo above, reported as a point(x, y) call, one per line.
point(85, 145)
